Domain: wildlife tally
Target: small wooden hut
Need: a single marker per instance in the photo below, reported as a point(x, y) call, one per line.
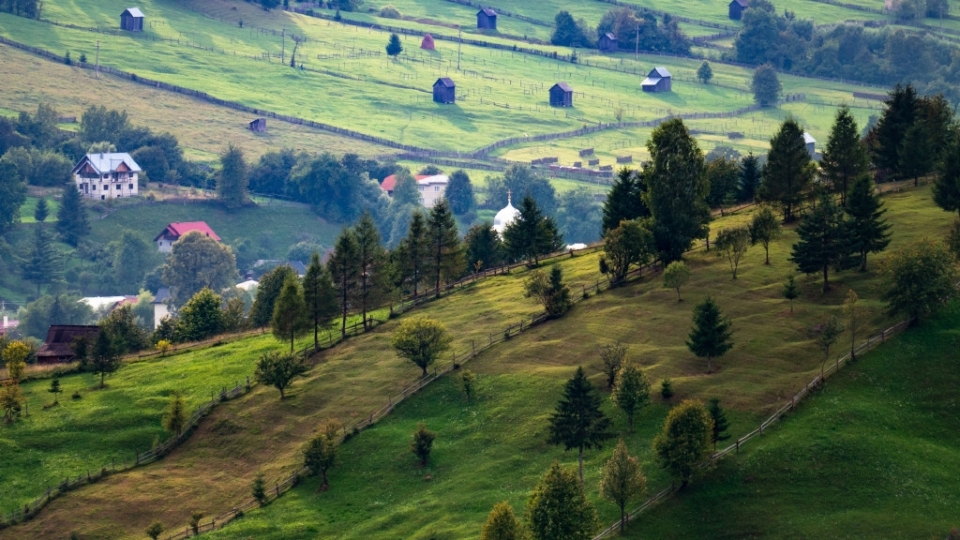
point(131, 20)
point(487, 19)
point(427, 44)
point(259, 125)
point(607, 43)
point(658, 80)
point(444, 90)
point(735, 11)
point(561, 95)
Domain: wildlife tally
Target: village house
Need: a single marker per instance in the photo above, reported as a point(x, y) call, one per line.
point(175, 231)
point(432, 188)
point(107, 176)
point(810, 143)
point(160, 305)
point(106, 304)
point(607, 43)
point(58, 347)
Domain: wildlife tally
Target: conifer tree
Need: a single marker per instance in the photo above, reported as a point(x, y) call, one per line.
point(344, 271)
point(484, 249)
point(622, 480)
point(394, 47)
point(532, 234)
point(268, 290)
point(578, 421)
point(917, 152)
point(373, 276)
point(290, 319)
point(712, 333)
point(720, 423)
point(845, 158)
point(888, 134)
point(624, 200)
point(869, 230)
point(55, 389)
point(43, 264)
point(319, 296)
point(422, 443)
point(502, 524)
point(446, 250)
point(631, 390)
point(764, 229)
point(825, 241)
point(946, 188)
point(705, 72)
point(414, 253)
point(104, 358)
point(558, 508)
point(677, 189)
point(749, 178)
point(788, 173)
point(790, 291)
point(41, 212)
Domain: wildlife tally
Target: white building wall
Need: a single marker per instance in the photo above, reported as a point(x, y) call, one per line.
point(109, 186)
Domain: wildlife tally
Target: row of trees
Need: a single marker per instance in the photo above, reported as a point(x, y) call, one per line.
point(635, 30)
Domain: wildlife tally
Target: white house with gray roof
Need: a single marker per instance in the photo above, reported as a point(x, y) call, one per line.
point(107, 176)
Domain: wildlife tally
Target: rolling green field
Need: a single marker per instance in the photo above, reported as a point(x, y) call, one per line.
point(873, 455)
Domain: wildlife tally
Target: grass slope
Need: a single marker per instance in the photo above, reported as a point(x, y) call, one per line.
point(493, 449)
point(873, 455)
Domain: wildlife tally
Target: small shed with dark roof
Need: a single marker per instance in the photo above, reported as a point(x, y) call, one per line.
point(58, 347)
point(561, 95)
point(607, 42)
point(445, 90)
point(736, 9)
point(659, 80)
point(259, 125)
point(131, 20)
point(487, 19)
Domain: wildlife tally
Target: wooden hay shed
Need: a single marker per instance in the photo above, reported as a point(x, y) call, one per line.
point(259, 125)
point(561, 95)
point(659, 80)
point(735, 10)
point(131, 20)
point(487, 19)
point(444, 90)
point(427, 44)
point(608, 43)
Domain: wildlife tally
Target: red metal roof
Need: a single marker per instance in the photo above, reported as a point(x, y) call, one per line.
point(176, 230)
point(390, 183)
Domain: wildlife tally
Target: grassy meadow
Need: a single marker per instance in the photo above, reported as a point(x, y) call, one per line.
point(503, 430)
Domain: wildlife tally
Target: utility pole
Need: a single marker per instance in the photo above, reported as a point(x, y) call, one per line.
point(636, 55)
point(460, 43)
point(96, 71)
point(283, 46)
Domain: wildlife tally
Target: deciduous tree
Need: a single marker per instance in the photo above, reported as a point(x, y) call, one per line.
point(15, 356)
point(421, 341)
point(11, 401)
point(13, 193)
point(628, 244)
point(459, 193)
point(676, 275)
point(611, 358)
point(195, 262)
point(705, 72)
point(233, 178)
point(552, 293)
point(856, 315)
point(322, 451)
point(578, 421)
point(422, 443)
point(685, 442)
point(631, 390)
point(766, 86)
point(764, 229)
point(622, 480)
point(502, 524)
point(918, 279)
point(557, 508)
point(733, 244)
point(712, 333)
point(175, 417)
point(278, 370)
point(467, 381)
point(200, 318)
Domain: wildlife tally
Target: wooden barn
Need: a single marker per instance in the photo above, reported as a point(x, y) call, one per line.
point(131, 20)
point(444, 90)
point(487, 19)
point(427, 44)
point(561, 95)
point(607, 43)
point(58, 347)
point(736, 9)
point(657, 81)
point(259, 125)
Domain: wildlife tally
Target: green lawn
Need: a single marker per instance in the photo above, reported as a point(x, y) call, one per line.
point(30, 206)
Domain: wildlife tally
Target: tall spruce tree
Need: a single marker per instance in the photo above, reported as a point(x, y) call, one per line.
point(825, 241)
point(788, 173)
point(888, 133)
point(720, 422)
point(845, 158)
point(290, 319)
point(344, 271)
point(104, 358)
point(319, 297)
point(870, 232)
point(43, 264)
point(917, 153)
point(946, 188)
point(578, 421)
point(712, 334)
point(233, 178)
point(484, 249)
point(41, 212)
point(676, 190)
point(268, 290)
point(414, 253)
point(446, 250)
point(749, 178)
point(532, 234)
point(72, 222)
point(373, 276)
point(624, 200)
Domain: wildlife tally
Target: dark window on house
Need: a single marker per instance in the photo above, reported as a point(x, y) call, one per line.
point(130, 186)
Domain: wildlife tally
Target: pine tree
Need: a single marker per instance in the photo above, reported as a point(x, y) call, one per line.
point(558, 508)
point(484, 249)
point(414, 253)
point(373, 278)
point(394, 47)
point(787, 174)
point(502, 524)
point(289, 319)
point(233, 178)
point(720, 423)
point(268, 291)
point(578, 421)
point(631, 390)
point(104, 358)
point(845, 158)
point(622, 480)
point(676, 190)
point(72, 223)
point(41, 212)
point(888, 134)
point(344, 271)
point(749, 178)
point(552, 293)
point(790, 291)
point(869, 230)
point(319, 296)
point(55, 389)
point(443, 242)
point(917, 152)
point(712, 333)
point(764, 229)
point(532, 234)
point(624, 200)
point(946, 188)
point(43, 264)
point(825, 241)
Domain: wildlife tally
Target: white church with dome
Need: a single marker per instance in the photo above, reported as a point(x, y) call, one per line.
point(505, 217)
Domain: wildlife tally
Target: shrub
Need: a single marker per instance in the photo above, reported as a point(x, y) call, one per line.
point(390, 12)
point(195, 518)
point(76, 395)
point(259, 490)
point(666, 389)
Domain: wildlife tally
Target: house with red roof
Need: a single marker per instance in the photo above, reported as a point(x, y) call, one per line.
point(431, 187)
point(175, 231)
